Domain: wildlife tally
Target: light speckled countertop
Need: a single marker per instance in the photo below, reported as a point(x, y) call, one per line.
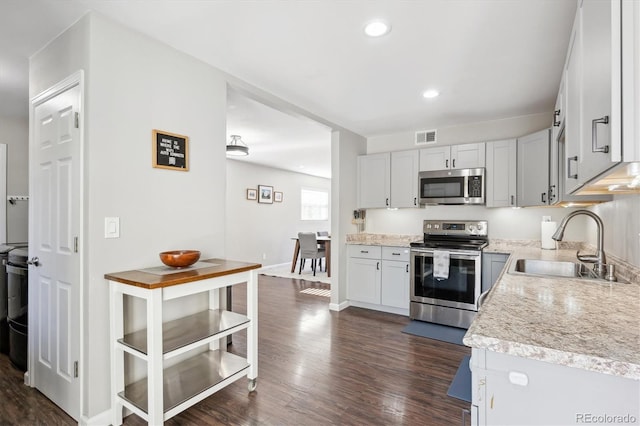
point(585, 324)
point(578, 323)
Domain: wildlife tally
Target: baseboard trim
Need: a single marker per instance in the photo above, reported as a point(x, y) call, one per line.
point(339, 307)
point(277, 265)
point(101, 419)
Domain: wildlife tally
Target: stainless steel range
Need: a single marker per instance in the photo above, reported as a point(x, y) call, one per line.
point(446, 272)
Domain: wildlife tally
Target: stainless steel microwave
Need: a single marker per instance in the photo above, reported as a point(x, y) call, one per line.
point(456, 186)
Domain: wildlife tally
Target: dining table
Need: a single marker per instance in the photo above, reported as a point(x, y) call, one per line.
point(326, 241)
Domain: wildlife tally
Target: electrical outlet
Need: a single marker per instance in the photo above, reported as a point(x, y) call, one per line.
point(264, 256)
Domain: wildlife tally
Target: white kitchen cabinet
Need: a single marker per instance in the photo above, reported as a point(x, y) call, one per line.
point(492, 266)
point(533, 169)
point(510, 390)
point(593, 93)
point(378, 278)
point(463, 156)
point(374, 180)
point(364, 274)
point(501, 173)
point(395, 277)
point(601, 87)
point(404, 179)
point(388, 179)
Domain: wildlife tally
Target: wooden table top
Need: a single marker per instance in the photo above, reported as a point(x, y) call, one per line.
point(150, 281)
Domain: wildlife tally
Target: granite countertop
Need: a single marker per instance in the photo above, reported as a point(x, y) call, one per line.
point(393, 240)
point(585, 324)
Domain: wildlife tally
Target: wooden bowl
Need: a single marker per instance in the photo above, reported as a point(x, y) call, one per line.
point(179, 258)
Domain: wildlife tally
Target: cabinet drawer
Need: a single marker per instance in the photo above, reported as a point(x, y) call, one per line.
point(395, 253)
point(365, 252)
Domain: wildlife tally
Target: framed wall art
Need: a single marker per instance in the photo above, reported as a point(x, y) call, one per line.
point(170, 151)
point(252, 194)
point(277, 197)
point(265, 194)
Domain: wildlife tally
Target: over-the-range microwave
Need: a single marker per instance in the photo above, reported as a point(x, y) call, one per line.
point(456, 186)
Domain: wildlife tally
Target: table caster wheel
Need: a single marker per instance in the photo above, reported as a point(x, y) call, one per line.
point(253, 383)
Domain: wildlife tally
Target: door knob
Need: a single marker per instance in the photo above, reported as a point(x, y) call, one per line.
point(33, 261)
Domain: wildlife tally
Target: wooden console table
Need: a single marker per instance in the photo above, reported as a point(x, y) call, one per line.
point(166, 391)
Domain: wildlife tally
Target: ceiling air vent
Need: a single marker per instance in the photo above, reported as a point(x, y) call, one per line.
point(426, 137)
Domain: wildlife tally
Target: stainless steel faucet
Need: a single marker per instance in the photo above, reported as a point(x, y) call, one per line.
point(599, 257)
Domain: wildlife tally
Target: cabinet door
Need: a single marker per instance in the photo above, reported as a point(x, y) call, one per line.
point(492, 266)
point(501, 173)
point(374, 180)
point(467, 156)
point(601, 51)
point(533, 169)
point(435, 158)
point(573, 107)
point(364, 280)
point(395, 284)
point(404, 178)
point(554, 160)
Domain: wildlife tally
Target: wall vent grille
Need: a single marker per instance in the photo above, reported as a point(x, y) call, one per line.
point(426, 137)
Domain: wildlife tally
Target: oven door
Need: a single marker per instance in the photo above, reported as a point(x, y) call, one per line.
point(461, 290)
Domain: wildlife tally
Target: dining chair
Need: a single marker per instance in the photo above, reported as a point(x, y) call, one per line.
point(323, 233)
point(309, 250)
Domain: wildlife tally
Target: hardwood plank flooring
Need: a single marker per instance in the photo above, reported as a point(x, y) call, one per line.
point(316, 367)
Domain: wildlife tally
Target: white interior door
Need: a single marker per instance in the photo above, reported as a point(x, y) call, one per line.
point(54, 281)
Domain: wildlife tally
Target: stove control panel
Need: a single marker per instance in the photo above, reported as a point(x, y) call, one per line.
point(456, 227)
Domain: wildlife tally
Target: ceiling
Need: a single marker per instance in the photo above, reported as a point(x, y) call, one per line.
point(490, 59)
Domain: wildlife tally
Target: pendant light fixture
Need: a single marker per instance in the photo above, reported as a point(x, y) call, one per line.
point(237, 147)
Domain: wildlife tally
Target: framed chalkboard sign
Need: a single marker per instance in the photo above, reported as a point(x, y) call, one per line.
point(170, 151)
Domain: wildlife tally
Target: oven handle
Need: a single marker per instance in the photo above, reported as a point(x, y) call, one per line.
point(466, 255)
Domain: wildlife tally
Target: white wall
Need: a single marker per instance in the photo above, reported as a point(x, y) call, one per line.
point(254, 229)
point(134, 85)
point(621, 218)
point(14, 132)
point(345, 147)
point(468, 133)
point(504, 223)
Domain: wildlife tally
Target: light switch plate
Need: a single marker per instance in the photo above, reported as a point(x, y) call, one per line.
point(112, 227)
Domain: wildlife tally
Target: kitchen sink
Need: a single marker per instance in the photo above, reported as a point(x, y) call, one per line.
point(551, 268)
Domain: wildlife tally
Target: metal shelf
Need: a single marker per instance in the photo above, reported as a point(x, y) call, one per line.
point(184, 381)
point(179, 334)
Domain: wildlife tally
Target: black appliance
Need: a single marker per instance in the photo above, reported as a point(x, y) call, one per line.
point(4, 325)
point(446, 274)
point(17, 306)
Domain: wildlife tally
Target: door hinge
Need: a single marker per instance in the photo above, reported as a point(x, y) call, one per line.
point(77, 120)
point(75, 369)
point(75, 244)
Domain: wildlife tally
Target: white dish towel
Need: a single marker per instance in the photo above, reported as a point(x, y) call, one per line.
point(440, 264)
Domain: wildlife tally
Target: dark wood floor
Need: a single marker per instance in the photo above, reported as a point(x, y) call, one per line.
point(316, 367)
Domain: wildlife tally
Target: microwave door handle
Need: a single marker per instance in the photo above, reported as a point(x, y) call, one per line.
point(467, 182)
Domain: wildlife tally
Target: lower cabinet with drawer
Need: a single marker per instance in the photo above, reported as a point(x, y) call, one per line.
point(378, 278)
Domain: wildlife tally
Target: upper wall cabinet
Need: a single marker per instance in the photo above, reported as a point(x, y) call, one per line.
point(388, 180)
point(533, 169)
point(593, 92)
point(501, 173)
point(374, 180)
point(464, 156)
point(404, 178)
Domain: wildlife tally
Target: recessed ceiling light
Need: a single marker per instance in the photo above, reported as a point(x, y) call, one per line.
point(431, 94)
point(377, 28)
